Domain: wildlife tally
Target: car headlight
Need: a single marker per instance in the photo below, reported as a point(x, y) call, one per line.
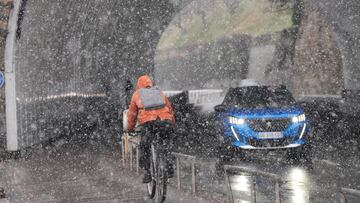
point(299, 118)
point(236, 121)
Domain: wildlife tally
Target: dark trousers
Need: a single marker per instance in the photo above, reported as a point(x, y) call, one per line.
point(162, 132)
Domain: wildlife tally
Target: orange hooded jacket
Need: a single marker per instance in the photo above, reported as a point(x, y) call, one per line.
point(137, 112)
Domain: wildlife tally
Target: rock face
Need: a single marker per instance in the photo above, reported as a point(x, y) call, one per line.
point(344, 19)
point(317, 62)
point(211, 65)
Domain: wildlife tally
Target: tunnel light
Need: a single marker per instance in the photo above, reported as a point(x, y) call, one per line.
point(299, 118)
point(236, 121)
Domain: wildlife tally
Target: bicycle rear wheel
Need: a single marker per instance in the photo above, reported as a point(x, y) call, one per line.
point(151, 186)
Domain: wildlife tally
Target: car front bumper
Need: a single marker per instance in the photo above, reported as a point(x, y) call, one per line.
point(279, 147)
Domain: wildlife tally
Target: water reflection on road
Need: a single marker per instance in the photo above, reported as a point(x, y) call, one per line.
point(294, 188)
point(297, 184)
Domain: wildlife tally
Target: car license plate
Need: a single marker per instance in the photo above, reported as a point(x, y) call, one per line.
point(271, 135)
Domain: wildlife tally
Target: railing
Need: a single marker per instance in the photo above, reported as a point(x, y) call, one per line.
point(348, 191)
point(127, 150)
point(204, 96)
point(253, 183)
point(344, 192)
point(193, 176)
point(134, 144)
point(199, 97)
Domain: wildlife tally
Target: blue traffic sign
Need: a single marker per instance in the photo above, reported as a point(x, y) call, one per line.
point(2, 79)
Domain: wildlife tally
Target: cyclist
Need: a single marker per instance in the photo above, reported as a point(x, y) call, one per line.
point(152, 109)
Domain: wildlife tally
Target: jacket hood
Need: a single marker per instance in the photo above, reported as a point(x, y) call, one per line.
point(144, 82)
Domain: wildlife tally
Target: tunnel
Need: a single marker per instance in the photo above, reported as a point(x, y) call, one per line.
point(67, 64)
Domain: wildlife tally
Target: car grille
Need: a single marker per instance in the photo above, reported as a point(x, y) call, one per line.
point(268, 125)
point(270, 143)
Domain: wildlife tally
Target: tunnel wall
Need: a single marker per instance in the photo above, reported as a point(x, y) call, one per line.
point(72, 60)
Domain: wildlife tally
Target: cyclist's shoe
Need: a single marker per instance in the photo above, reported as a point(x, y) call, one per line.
point(147, 177)
point(170, 171)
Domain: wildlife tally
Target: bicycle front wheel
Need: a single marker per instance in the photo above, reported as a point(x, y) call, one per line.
point(151, 186)
point(161, 181)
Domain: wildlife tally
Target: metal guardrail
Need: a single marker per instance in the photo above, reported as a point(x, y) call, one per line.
point(253, 184)
point(343, 191)
point(127, 151)
point(193, 175)
point(348, 191)
point(134, 143)
point(202, 96)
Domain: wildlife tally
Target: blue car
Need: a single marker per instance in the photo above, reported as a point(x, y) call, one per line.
point(262, 117)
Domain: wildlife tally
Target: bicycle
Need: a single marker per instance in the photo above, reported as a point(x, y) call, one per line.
point(158, 168)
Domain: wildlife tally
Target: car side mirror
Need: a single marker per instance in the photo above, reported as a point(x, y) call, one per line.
point(220, 108)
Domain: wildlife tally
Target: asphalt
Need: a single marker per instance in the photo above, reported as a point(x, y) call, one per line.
point(88, 171)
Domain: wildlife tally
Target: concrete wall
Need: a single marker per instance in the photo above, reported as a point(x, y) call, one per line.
point(5, 7)
point(71, 61)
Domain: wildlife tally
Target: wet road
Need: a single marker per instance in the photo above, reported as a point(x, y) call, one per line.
point(89, 170)
point(298, 183)
point(76, 172)
point(334, 165)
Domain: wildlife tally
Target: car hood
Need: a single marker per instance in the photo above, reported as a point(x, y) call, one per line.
point(275, 112)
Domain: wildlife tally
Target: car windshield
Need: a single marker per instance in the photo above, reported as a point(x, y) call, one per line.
point(259, 97)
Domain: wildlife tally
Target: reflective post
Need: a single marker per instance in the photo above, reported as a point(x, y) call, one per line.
point(193, 176)
point(252, 186)
point(228, 185)
point(342, 198)
point(277, 191)
point(137, 159)
point(131, 156)
point(178, 172)
point(126, 145)
point(123, 152)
